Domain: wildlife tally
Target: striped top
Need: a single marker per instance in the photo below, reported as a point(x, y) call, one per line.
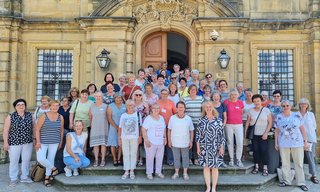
point(50, 131)
point(194, 108)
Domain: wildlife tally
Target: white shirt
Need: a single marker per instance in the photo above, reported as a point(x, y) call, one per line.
point(310, 125)
point(155, 129)
point(174, 98)
point(246, 109)
point(180, 130)
point(129, 125)
point(81, 138)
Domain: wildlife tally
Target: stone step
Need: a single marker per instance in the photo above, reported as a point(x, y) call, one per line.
point(141, 183)
point(109, 169)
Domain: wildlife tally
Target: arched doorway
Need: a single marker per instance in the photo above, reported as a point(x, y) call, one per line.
point(169, 47)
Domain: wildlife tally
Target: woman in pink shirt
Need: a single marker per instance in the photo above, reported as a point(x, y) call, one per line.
point(234, 126)
point(167, 109)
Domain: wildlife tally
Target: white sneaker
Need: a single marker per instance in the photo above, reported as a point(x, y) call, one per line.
point(239, 163)
point(68, 171)
point(175, 176)
point(75, 172)
point(13, 183)
point(26, 180)
point(231, 163)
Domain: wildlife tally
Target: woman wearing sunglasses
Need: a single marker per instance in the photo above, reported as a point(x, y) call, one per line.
point(290, 139)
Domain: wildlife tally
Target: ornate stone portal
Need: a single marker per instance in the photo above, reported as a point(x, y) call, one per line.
point(166, 11)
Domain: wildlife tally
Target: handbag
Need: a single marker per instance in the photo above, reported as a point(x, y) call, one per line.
point(37, 172)
point(250, 130)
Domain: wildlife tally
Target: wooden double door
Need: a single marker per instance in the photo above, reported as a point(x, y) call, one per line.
point(156, 49)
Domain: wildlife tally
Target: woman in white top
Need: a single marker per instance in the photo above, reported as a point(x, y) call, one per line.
point(74, 151)
point(173, 93)
point(154, 134)
point(129, 138)
point(180, 139)
point(248, 104)
point(310, 125)
point(261, 130)
point(43, 108)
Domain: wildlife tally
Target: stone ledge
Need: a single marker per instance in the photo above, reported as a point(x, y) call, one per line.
point(4, 158)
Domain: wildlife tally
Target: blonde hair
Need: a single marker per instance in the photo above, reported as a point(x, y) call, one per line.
point(46, 97)
point(53, 102)
point(214, 111)
point(131, 76)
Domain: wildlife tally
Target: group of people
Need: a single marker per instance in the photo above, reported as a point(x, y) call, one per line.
point(161, 116)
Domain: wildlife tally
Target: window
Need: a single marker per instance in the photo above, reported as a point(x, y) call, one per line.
point(276, 71)
point(54, 73)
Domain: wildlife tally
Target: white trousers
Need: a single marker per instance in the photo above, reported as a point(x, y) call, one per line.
point(129, 152)
point(46, 155)
point(237, 130)
point(15, 151)
point(297, 154)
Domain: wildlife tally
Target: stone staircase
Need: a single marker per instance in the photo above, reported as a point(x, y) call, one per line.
point(108, 178)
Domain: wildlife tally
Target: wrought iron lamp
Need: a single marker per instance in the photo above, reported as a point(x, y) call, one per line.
point(223, 59)
point(103, 59)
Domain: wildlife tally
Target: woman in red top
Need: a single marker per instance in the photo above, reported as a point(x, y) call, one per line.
point(234, 126)
point(129, 89)
point(167, 109)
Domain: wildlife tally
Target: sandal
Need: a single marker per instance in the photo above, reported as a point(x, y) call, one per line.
point(125, 175)
point(265, 172)
point(303, 188)
point(102, 163)
point(54, 172)
point(115, 163)
point(132, 176)
point(95, 164)
point(47, 182)
point(120, 163)
point(314, 180)
point(255, 171)
point(140, 163)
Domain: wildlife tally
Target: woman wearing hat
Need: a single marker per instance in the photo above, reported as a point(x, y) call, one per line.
point(310, 125)
point(17, 138)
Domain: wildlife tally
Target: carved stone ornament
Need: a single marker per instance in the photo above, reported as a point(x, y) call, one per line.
point(165, 11)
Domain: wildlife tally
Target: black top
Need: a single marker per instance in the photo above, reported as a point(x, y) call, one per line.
point(116, 87)
point(20, 131)
point(65, 115)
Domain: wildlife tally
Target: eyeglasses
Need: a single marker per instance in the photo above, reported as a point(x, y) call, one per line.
point(285, 106)
point(173, 78)
point(209, 77)
point(139, 95)
point(20, 104)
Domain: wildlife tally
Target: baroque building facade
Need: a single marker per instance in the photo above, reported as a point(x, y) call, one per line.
point(48, 46)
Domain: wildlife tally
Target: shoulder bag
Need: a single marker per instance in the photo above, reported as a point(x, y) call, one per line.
point(37, 172)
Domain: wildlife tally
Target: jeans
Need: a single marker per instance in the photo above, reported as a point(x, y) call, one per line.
point(72, 164)
point(180, 154)
point(46, 155)
point(310, 155)
point(15, 151)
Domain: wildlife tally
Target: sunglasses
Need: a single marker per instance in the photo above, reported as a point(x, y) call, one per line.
point(209, 77)
point(285, 105)
point(139, 95)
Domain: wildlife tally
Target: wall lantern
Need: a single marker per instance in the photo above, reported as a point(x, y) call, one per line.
point(223, 59)
point(103, 59)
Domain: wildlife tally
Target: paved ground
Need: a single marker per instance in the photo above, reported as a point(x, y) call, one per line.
point(39, 187)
